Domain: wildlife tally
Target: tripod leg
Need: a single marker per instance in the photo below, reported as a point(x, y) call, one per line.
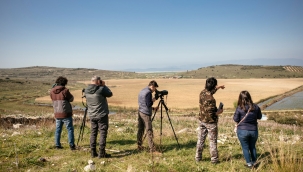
point(166, 109)
point(161, 123)
point(156, 110)
point(82, 127)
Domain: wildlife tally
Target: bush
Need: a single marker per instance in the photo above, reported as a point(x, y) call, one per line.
point(291, 119)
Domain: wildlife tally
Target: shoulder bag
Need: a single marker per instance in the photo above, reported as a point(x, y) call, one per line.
point(236, 126)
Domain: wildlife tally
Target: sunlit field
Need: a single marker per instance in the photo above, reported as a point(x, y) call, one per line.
point(184, 93)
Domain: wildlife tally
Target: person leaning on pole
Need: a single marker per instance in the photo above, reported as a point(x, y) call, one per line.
point(208, 120)
point(96, 98)
point(63, 112)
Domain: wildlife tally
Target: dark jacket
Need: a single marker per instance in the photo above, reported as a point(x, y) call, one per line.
point(250, 121)
point(61, 98)
point(145, 101)
point(96, 100)
point(208, 107)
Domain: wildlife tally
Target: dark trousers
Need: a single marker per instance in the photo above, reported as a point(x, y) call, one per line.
point(101, 125)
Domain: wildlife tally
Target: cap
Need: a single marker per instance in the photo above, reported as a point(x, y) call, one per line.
point(94, 78)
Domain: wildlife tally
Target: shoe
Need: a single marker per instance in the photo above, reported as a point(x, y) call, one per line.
point(103, 154)
point(93, 153)
point(249, 166)
point(72, 147)
point(59, 147)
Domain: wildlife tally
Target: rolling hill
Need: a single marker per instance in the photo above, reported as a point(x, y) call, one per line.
point(229, 71)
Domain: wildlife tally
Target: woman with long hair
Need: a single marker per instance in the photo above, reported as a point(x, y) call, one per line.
point(246, 116)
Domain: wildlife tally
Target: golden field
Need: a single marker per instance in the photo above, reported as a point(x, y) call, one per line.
point(184, 93)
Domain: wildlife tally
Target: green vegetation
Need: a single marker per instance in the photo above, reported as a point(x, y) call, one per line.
point(279, 147)
point(287, 117)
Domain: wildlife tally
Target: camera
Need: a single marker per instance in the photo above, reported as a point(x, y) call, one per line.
point(160, 93)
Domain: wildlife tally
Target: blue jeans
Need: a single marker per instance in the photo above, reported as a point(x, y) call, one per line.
point(70, 129)
point(248, 141)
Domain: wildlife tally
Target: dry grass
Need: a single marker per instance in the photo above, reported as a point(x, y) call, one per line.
point(184, 93)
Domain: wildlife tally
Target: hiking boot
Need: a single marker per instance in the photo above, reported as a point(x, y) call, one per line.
point(93, 152)
point(103, 154)
point(73, 147)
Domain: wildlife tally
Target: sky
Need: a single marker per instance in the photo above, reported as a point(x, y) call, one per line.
point(129, 34)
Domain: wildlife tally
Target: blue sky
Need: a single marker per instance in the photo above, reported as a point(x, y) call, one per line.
point(126, 34)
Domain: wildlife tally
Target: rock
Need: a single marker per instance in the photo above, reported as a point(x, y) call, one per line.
point(184, 130)
point(17, 126)
point(16, 133)
point(91, 166)
point(120, 129)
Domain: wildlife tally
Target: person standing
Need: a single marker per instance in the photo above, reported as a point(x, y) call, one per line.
point(96, 98)
point(208, 120)
point(145, 102)
point(246, 116)
point(63, 112)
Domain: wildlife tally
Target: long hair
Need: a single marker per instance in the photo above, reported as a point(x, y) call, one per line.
point(245, 99)
point(211, 84)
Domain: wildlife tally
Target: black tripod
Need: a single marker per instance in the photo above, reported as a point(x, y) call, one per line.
point(82, 127)
point(166, 109)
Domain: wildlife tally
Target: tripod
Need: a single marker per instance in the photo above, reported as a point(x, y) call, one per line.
point(82, 127)
point(166, 109)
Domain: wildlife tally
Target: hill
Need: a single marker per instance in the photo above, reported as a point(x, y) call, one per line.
point(44, 73)
point(231, 71)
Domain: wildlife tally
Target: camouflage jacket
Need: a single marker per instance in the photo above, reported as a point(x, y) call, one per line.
point(208, 107)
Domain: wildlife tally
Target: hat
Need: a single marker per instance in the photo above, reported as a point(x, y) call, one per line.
point(94, 78)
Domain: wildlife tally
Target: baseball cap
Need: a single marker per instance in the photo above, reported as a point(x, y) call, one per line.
point(94, 78)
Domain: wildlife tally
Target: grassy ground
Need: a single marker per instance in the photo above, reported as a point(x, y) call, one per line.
point(31, 148)
point(279, 147)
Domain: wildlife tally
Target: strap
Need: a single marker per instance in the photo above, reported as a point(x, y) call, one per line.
point(243, 117)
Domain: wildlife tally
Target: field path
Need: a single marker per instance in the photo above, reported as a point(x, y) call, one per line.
point(184, 93)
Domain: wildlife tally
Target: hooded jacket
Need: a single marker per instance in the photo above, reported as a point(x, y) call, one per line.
point(61, 98)
point(96, 100)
